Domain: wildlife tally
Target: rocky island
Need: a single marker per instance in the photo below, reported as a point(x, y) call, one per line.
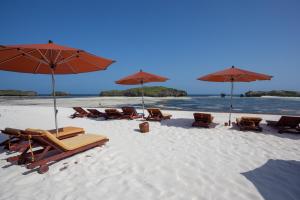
point(17, 93)
point(156, 91)
point(60, 93)
point(278, 93)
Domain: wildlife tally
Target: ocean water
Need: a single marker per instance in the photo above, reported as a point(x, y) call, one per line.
point(281, 106)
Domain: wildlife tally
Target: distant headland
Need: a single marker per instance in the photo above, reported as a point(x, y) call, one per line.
point(156, 91)
point(278, 93)
point(28, 93)
point(17, 93)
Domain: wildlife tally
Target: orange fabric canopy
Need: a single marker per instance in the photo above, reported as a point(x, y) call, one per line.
point(234, 74)
point(141, 78)
point(42, 58)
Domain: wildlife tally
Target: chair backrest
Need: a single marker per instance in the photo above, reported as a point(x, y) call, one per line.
point(44, 137)
point(203, 117)
point(112, 111)
point(94, 111)
point(129, 111)
point(12, 132)
point(289, 121)
point(154, 112)
point(80, 110)
point(255, 120)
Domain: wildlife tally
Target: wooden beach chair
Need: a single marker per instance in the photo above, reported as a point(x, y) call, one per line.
point(202, 120)
point(249, 123)
point(113, 113)
point(17, 143)
point(286, 124)
point(52, 149)
point(155, 114)
point(80, 112)
point(130, 113)
point(97, 113)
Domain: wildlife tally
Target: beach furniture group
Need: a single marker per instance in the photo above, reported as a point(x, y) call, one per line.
point(40, 148)
point(244, 123)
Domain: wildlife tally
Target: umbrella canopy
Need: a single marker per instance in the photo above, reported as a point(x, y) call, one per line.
point(141, 78)
point(234, 74)
point(49, 59)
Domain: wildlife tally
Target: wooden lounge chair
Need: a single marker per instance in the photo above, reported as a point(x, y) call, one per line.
point(80, 112)
point(156, 115)
point(130, 113)
point(53, 149)
point(286, 124)
point(249, 123)
point(113, 113)
point(16, 143)
point(202, 120)
point(13, 139)
point(97, 113)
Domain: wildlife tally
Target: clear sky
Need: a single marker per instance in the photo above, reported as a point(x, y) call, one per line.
point(179, 39)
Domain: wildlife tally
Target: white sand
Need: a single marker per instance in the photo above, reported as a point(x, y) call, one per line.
point(84, 101)
point(173, 161)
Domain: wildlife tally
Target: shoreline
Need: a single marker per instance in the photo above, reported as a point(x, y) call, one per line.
point(139, 108)
point(274, 106)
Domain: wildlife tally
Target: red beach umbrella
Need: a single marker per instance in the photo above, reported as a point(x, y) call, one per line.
point(232, 75)
point(51, 59)
point(141, 78)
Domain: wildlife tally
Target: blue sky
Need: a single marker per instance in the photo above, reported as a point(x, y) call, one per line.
point(181, 40)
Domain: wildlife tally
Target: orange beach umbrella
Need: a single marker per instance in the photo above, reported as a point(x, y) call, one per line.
point(234, 74)
point(51, 59)
point(141, 78)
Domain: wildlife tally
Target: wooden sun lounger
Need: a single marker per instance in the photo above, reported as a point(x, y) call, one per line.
point(202, 120)
point(288, 124)
point(113, 113)
point(249, 123)
point(16, 143)
point(53, 149)
point(97, 113)
point(130, 113)
point(80, 112)
point(155, 114)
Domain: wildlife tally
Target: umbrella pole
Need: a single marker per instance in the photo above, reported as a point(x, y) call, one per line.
point(142, 84)
point(54, 101)
point(231, 93)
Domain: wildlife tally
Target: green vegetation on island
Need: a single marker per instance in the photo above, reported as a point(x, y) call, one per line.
point(279, 93)
point(156, 91)
point(60, 93)
point(17, 93)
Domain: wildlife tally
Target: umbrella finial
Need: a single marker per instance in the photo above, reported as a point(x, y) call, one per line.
point(141, 70)
point(50, 41)
point(232, 66)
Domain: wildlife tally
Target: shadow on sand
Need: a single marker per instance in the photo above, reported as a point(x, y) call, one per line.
point(267, 130)
point(183, 123)
point(277, 179)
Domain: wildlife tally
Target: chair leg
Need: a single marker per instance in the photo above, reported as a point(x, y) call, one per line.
point(43, 169)
point(43, 162)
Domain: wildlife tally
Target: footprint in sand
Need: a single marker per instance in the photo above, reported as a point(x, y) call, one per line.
point(63, 168)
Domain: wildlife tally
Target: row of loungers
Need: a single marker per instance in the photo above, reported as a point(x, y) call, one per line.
point(155, 114)
point(40, 148)
point(284, 124)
